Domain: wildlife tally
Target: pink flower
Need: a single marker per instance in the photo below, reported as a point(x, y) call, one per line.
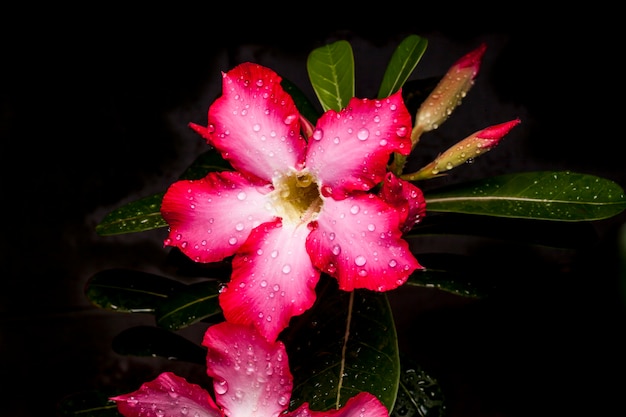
point(293, 207)
point(251, 377)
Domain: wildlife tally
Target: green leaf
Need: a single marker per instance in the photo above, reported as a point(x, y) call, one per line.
point(156, 341)
point(419, 395)
point(305, 107)
point(402, 63)
point(188, 305)
point(88, 404)
point(331, 71)
point(543, 195)
point(344, 345)
point(129, 291)
point(137, 216)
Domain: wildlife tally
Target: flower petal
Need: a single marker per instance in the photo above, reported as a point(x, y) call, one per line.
point(255, 123)
point(363, 404)
point(272, 280)
point(406, 198)
point(357, 240)
point(251, 376)
point(349, 150)
point(210, 218)
point(167, 396)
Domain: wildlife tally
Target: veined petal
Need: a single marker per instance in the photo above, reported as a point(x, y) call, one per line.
point(167, 396)
point(255, 123)
point(357, 241)
point(251, 376)
point(406, 198)
point(272, 280)
point(210, 218)
point(349, 150)
point(363, 404)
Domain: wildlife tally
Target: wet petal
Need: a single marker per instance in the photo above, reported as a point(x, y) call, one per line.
point(357, 240)
point(167, 396)
point(251, 376)
point(272, 280)
point(210, 218)
point(406, 198)
point(363, 404)
point(255, 123)
point(349, 150)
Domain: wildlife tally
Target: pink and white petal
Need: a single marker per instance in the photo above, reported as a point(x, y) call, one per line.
point(357, 241)
point(350, 150)
point(167, 396)
point(363, 404)
point(255, 123)
point(273, 279)
point(210, 218)
point(251, 376)
point(406, 197)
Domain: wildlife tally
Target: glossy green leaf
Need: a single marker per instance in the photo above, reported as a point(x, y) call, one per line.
point(403, 61)
point(88, 404)
point(129, 291)
point(544, 195)
point(304, 105)
point(331, 71)
point(420, 394)
point(137, 216)
point(156, 341)
point(188, 305)
point(344, 345)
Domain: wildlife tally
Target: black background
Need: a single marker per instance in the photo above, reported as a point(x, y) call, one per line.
point(94, 107)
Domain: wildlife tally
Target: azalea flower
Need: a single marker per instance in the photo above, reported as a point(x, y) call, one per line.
point(295, 206)
point(251, 377)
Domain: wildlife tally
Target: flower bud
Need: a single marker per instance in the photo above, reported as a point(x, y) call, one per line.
point(448, 93)
point(464, 151)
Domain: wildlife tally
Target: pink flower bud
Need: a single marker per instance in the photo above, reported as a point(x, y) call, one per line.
point(449, 93)
point(469, 148)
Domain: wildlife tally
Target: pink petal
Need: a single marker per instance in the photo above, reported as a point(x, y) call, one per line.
point(363, 404)
point(255, 123)
point(357, 240)
point(272, 280)
point(349, 150)
point(210, 218)
point(167, 396)
point(251, 376)
point(406, 198)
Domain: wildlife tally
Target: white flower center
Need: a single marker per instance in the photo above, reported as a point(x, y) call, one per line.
point(296, 198)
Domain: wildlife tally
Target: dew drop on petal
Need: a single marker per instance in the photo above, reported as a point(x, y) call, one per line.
point(401, 131)
point(393, 263)
point(360, 260)
point(354, 209)
point(286, 269)
point(318, 134)
point(256, 127)
point(221, 387)
point(232, 240)
point(363, 134)
point(336, 250)
point(241, 196)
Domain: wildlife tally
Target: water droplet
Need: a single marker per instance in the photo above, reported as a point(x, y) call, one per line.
point(363, 134)
point(221, 387)
point(232, 240)
point(318, 134)
point(354, 209)
point(241, 196)
point(239, 227)
point(360, 260)
point(286, 269)
point(336, 250)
